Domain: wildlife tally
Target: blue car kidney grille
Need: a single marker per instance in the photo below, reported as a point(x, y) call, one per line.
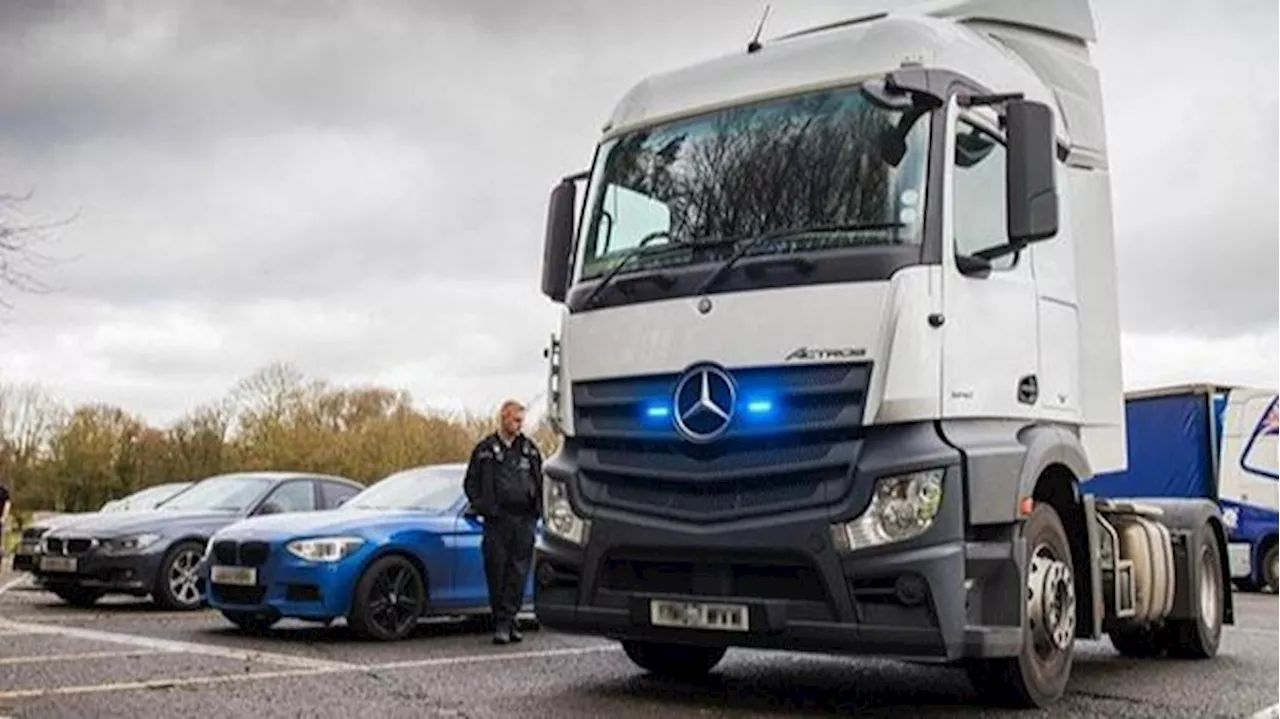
point(242, 554)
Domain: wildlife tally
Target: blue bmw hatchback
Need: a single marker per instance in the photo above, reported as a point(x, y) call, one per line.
point(404, 548)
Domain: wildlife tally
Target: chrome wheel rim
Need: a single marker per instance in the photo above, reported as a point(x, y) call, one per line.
point(1051, 602)
point(1209, 589)
point(184, 579)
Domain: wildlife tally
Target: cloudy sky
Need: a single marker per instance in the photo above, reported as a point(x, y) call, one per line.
point(358, 188)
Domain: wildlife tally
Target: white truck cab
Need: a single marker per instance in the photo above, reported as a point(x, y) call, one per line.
point(839, 346)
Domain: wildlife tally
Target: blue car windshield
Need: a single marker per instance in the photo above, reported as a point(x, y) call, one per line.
point(428, 490)
point(229, 493)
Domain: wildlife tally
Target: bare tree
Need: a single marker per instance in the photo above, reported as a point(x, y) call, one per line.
point(20, 237)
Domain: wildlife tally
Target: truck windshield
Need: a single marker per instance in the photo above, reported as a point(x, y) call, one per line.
point(827, 170)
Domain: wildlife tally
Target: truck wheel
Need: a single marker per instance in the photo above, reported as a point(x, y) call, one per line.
point(1198, 638)
point(1270, 580)
point(1145, 642)
point(1037, 677)
point(673, 661)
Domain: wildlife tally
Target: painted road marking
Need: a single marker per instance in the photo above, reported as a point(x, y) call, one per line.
point(303, 672)
point(497, 657)
point(1270, 712)
point(100, 615)
point(83, 656)
point(171, 645)
point(12, 583)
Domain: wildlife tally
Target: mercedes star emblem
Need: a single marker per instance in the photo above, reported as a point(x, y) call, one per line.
point(704, 401)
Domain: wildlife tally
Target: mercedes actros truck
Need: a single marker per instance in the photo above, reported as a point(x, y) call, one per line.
point(839, 350)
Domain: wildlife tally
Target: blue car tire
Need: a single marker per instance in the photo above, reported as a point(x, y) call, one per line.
point(389, 598)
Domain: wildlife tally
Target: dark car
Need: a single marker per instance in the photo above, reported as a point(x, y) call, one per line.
point(158, 553)
point(24, 560)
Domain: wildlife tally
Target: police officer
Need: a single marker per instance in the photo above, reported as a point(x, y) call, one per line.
point(504, 485)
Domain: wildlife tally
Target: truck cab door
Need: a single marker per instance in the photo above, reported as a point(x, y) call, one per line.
point(990, 352)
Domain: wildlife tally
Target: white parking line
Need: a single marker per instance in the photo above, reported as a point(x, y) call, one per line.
point(161, 683)
point(56, 616)
point(170, 645)
point(496, 657)
point(12, 583)
point(83, 656)
point(290, 673)
point(1270, 712)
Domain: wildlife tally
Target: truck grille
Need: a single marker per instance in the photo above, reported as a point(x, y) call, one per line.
point(800, 456)
point(241, 554)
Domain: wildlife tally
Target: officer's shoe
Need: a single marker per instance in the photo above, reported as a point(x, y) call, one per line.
point(515, 634)
point(501, 636)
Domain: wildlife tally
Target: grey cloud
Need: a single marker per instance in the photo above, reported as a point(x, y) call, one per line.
point(360, 187)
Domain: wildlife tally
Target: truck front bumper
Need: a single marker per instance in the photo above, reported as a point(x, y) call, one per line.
point(939, 596)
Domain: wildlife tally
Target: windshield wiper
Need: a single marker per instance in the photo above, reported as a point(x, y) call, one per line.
point(639, 250)
point(767, 238)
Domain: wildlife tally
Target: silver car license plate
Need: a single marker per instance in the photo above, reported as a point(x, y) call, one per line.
point(237, 576)
point(695, 615)
point(58, 564)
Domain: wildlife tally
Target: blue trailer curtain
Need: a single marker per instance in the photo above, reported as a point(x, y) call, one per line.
point(1170, 451)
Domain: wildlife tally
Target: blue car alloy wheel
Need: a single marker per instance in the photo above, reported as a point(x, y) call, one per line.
point(390, 597)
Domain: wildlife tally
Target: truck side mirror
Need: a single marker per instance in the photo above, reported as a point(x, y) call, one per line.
point(1029, 176)
point(559, 241)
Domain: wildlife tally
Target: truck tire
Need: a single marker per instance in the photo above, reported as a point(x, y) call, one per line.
point(1198, 638)
point(673, 661)
point(1146, 642)
point(1038, 676)
point(1270, 581)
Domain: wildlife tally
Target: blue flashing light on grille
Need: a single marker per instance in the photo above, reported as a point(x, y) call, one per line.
point(657, 411)
point(760, 406)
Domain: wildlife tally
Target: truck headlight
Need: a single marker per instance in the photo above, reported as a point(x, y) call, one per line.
point(561, 520)
point(325, 549)
point(902, 507)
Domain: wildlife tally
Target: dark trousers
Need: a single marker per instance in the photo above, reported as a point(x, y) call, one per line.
point(508, 552)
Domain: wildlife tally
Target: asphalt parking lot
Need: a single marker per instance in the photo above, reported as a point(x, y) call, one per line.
point(127, 659)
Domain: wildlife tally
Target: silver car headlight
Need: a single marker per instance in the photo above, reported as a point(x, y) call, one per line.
point(325, 549)
point(560, 519)
point(902, 507)
point(131, 543)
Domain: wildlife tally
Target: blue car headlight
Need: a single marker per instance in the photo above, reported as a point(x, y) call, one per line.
point(325, 549)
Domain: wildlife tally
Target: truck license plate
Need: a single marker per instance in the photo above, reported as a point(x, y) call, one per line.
point(238, 576)
point(692, 615)
point(58, 564)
